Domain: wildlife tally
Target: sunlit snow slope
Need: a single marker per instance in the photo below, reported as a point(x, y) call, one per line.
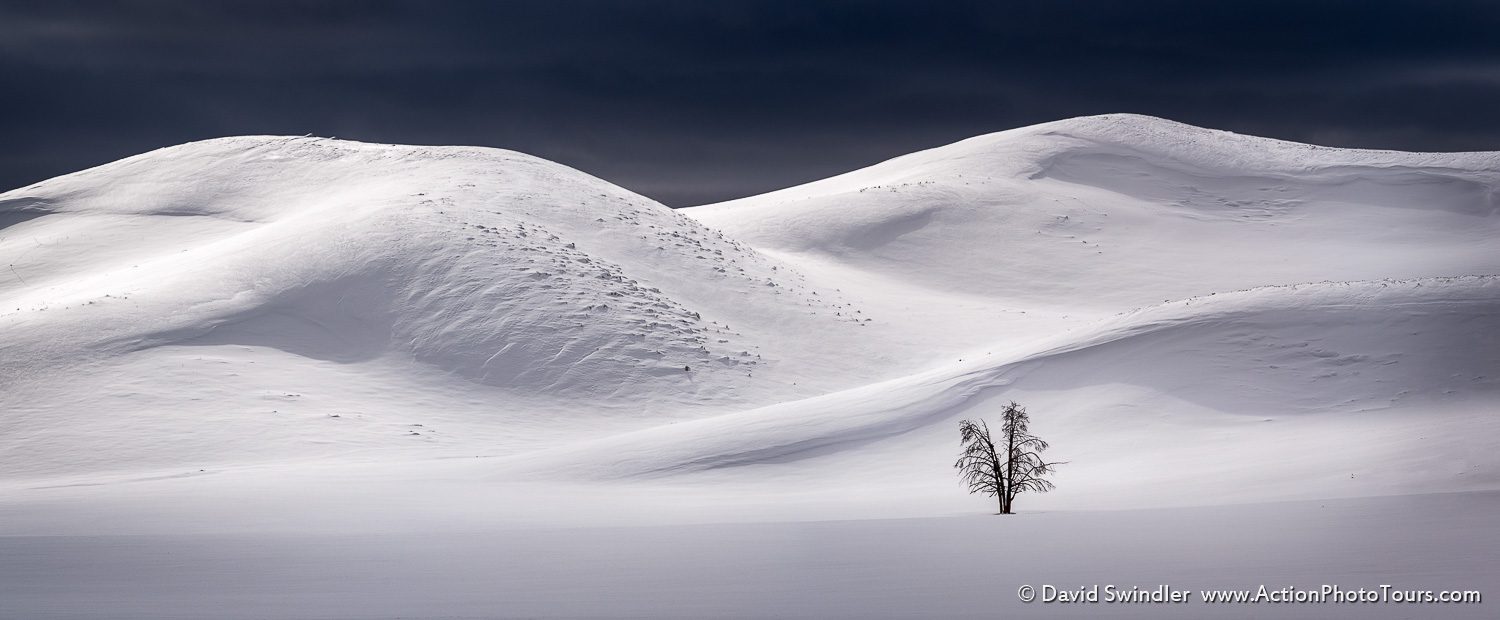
point(225, 300)
point(1192, 316)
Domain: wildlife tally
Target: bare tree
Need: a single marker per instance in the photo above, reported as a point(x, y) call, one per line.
point(1008, 469)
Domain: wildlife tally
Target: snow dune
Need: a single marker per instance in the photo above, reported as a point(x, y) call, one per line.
point(1318, 390)
point(496, 266)
point(1114, 212)
point(1193, 316)
point(219, 301)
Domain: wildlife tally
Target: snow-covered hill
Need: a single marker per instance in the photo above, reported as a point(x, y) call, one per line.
point(1193, 317)
point(1091, 216)
point(224, 300)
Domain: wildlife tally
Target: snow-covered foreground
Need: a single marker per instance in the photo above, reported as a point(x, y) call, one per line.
point(955, 567)
point(308, 343)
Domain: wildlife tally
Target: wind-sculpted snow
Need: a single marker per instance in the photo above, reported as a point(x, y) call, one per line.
point(1271, 352)
point(492, 265)
point(1192, 316)
point(1104, 213)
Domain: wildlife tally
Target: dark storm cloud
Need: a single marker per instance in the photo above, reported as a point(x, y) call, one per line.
point(691, 102)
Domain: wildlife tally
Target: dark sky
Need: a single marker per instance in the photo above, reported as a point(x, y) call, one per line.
point(698, 101)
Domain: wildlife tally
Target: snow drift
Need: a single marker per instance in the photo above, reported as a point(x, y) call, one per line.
point(496, 266)
point(1112, 212)
point(1193, 316)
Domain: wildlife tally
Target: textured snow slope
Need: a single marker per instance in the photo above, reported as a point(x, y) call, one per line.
point(221, 296)
point(1332, 335)
point(1194, 317)
point(1109, 213)
point(1317, 390)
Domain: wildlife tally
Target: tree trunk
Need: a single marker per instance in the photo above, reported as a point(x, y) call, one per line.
point(1010, 465)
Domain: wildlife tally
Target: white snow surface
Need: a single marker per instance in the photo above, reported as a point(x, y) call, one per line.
point(1193, 316)
point(286, 334)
